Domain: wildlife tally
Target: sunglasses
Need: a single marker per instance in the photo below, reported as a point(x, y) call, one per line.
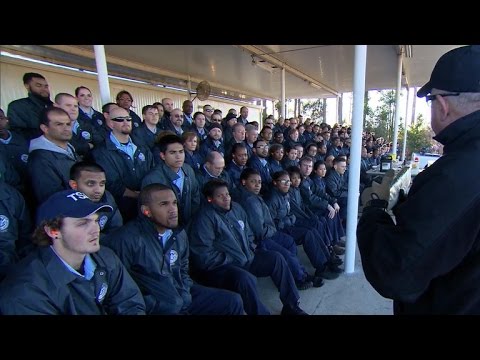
point(122, 119)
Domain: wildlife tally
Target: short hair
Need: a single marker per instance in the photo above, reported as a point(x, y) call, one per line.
point(339, 159)
point(305, 158)
point(123, 92)
point(145, 196)
point(51, 110)
point(275, 147)
point(106, 107)
point(247, 172)
point(27, 77)
point(148, 107)
point(80, 166)
point(259, 140)
point(237, 146)
point(197, 113)
point(231, 111)
point(317, 164)
point(77, 90)
point(293, 170)
point(278, 174)
point(217, 111)
point(61, 95)
point(168, 139)
point(211, 156)
point(212, 185)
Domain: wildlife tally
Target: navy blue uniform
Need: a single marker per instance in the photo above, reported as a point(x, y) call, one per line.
point(161, 271)
point(41, 284)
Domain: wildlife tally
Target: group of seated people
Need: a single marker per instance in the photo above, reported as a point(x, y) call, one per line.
point(189, 209)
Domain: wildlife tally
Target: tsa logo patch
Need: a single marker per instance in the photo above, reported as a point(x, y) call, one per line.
point(135, 124)
point(103, 292)
point(102, 221)
point(86, 135)
point(24, 157)
point(173, 256)
point(242, 224)
point(141, 157)
point(99, 122)
point(4, 223)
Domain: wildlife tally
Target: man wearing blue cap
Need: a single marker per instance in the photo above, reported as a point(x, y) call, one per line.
point(428, 261)
point(69, 274)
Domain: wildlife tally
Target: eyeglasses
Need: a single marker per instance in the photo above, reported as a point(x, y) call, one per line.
point(209, 110)
point(284, 182)
point(122, 119)
point(429, 98)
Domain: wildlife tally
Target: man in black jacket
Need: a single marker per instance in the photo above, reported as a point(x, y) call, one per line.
point(428, 261)
point(156, 254)
point(24, 114)
point(70, 274)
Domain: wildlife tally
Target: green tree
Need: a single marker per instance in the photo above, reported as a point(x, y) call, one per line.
point(314, 109)
point(419, 136)
point(381, 119)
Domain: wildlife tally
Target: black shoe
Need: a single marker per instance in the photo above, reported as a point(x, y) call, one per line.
point(341, 243)
point(334, 268)
point(335, 260)
point(338, 250)
point(292, 310)
point(318, 281)
point(327, 274)
point(303, 284)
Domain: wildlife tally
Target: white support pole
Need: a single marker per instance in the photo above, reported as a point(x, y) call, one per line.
point(404, 150)
point(397, 104)
point(102, 73)
point(189, 84)
point(355, 155)
point(340, 109)
point(283, 94)
point(414, 105)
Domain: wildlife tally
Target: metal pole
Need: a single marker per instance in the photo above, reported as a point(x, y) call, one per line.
point(283, 94)
point(404, 150)
point(355, 155)
point(397, 104)
point(102, 73)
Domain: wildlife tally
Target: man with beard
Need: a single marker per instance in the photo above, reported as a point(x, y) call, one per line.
point(24, 114)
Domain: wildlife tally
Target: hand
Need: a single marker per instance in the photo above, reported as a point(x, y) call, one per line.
point(331, 212)
point(336, 207)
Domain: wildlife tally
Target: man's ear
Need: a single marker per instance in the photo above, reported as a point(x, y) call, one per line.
point(51, 232)
point(73, 184)
point(162, 156)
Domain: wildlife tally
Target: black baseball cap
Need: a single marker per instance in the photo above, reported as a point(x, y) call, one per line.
point(456, 71)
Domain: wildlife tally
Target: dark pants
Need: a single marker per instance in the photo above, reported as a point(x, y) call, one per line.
point(315, 248)
point(243, 280)
point(285, 245)
point(211, 301)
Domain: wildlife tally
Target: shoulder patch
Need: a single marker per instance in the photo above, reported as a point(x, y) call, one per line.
point(4, 222)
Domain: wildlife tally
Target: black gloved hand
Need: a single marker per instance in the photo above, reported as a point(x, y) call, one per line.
point(377, 202)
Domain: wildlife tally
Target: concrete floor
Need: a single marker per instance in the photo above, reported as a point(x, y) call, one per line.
point(349, 294)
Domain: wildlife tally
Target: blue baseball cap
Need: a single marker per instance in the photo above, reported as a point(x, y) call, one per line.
point(69, 203)
point(456, 71)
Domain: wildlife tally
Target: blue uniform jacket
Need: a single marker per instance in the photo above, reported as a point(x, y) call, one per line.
point(121, 171)
point(41, 284)
point(160, 271)
point(220, 237)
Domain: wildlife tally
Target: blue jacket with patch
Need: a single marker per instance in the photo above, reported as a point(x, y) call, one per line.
point(41, 284)
point(24, 115)
point(188, 199)
point(15, 226)
point(220, 237)
point(161, 271)
point(121, 171)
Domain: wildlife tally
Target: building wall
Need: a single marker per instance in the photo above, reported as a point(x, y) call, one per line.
point(65, 80)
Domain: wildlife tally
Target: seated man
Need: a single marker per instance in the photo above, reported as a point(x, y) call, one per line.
point(89, 178)
point(156, 255)
point(224, 254)
point(69, 274)
point(15, 226)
